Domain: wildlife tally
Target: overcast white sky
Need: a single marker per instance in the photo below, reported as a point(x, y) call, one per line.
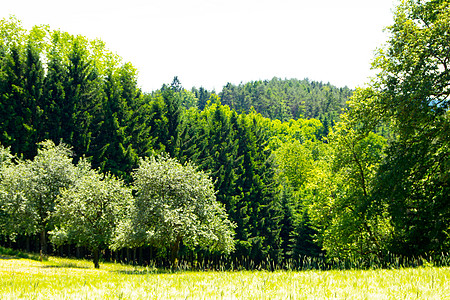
point(211, 42)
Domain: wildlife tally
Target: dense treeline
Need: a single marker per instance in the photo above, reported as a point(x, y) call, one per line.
point(295, 175)
point(60, 87)
point(64, 88)
point(288, 99)
point(390, 194)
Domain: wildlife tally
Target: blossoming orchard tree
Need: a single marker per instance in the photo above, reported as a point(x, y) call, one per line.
point(29, 189)
point(88, 212)
point(175, 204)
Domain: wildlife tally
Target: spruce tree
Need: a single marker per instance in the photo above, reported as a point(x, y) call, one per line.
point(34, 84)
point(53, 102)
point(17, 105)
point(138, 113)
point(258, 210)
point(110, 150)
point(83, 96)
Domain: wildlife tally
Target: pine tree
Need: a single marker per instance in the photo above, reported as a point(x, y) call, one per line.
point(219, 152)
point(157, 122)
point(138, 113)
point(53, 102)
point(203, 96)
point(17, 105)
point(192, 137)
point(168, 137)
point(287, 225)
point(110, 150)
point(83, 96)
point(34, 84)
point(258, 212)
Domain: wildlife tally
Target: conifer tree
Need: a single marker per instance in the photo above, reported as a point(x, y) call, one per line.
point(17, 106)
point(53, 101)
point(219, 151)
point(203, 96)
point(257, 211)
point(110, 148)
point(173, 115)
point(82, 98)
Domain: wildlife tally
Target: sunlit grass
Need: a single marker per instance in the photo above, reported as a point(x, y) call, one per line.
point(59, 278)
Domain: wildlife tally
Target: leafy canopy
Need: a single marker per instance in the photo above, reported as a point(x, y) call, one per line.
point(175, 203)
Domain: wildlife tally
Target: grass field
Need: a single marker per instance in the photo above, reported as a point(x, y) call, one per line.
point(59, 278)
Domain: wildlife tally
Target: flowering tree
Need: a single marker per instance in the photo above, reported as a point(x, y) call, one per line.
point(88, 212)
point(175, 204)
point(28, 190)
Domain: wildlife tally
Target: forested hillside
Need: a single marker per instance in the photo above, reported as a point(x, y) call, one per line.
point(300, 168)
point(288, 99)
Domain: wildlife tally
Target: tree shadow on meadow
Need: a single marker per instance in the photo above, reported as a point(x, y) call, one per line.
point(6, 253)
point(64, 265)
point(152, 271)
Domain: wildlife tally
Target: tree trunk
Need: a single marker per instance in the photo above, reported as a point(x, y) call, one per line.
point(174, 253)
point(96, 258)
point(27, 244)
point(140, 256)
point(43, 241)
point(36, 243)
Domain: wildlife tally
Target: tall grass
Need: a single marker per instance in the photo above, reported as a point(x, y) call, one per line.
point(303, 263)
point(58, 278)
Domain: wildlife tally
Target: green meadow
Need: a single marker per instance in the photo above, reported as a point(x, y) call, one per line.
point(61, 278)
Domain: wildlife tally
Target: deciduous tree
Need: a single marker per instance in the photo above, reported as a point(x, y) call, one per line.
point(175, 204)
point(30, 188)
point(88, 212)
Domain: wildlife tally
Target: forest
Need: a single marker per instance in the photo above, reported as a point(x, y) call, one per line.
point(265, 171)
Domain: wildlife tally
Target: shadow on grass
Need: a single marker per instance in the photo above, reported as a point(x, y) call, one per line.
point(144, 272)
point(6, 253)
point(64, 265)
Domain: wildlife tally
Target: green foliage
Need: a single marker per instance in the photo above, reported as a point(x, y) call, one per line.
point(299, 160)
point(89, 99)
point(175, 204)
point(8, 253)
point(286, 99)
point(257, 211)
point(391, 193)
point(109, 142)
point(414, 87)
point(202, 96)
point(414, 68)
point(233, 149)
point(54, 103)
point(292, 171)
point(21, 84)
point(85, 97)
point(17, 216)
point(137, 118)
point(356, 224)
point(29, 190)
point(88, 211)
point(6, 158)
point(414, 184)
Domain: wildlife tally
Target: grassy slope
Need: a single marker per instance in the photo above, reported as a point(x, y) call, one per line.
point(76, 279)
